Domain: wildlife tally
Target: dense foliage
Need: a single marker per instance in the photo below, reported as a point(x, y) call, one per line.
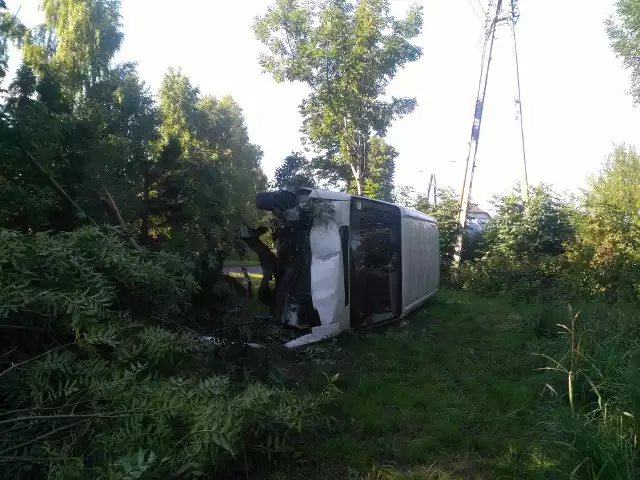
point(295, 172)
point(445, 211)
point(607, 248)
point(181, 169)
point(555, 247)
point(622, 28)
point(107, 384)
point(104, 371)
point(521, 249)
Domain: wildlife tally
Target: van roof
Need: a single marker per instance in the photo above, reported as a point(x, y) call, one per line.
point(341, 196)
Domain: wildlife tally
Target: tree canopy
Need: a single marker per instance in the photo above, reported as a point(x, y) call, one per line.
point(346, 52)
point(295, 172)
point(623, 29)
point(179, 166)
point(608, 231)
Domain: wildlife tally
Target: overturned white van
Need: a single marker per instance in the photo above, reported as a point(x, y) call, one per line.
point(351, 262)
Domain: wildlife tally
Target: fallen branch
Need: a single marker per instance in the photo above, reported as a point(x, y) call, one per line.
point(247, 279)
point(110, 205)
point(59, 190)
point(41, 437)
point(16, 365)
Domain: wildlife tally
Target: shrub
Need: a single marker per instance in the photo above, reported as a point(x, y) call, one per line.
point(521, 252)
point(524, 280)
point(541, 227)
point(102, 382)
point(606, 254)
point(446, 213)
point(85, 277)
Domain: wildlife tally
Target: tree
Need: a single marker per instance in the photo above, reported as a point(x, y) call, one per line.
point(102, 144)
point(294, 173)
point(204, 195)
point(607, 249)
point(405, 195)
point(26, 202)
point(623, 30)
point(11, 30)
point(78, 40)
point(380, 170)
point(182, 171)
point(446, 213)
point(346, 52)
point(522, 251)
point(543, 228)
point(78, 131)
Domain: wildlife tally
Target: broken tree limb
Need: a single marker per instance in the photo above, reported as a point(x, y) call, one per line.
point(247, 279)
point(268, 260)
point(110, 205)
point(59, 190)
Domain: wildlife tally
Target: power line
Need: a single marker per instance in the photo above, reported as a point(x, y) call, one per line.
point(508, 15)
point(512, 24)
point(482, 8)
point(475, 11)
point(16, 15)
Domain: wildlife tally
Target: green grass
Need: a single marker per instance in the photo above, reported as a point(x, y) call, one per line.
point(242, 263)
point(452, 392)
point(456, 391)
point(256, 278)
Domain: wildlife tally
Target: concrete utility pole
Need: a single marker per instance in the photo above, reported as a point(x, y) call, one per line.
point(495, 17)
point(432, 183)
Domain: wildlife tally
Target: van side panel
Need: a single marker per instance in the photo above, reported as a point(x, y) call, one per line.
point(420, 261)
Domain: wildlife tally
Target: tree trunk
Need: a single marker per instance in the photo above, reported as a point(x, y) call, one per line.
point(59, 190)
point(111, 207)
point(144, 231)
point(268, 262)
point(357, 177)
point(362, 163)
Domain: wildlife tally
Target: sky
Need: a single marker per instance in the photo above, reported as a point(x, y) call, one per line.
point(574, 90)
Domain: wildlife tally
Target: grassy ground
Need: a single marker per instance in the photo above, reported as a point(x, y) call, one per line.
point(452, 392)
point(249, 262)
point(457, 391)
point(256, 278)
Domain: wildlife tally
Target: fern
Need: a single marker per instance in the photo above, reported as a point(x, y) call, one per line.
point(127, 397)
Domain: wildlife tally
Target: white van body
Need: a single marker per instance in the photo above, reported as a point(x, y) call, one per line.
point(339, 288)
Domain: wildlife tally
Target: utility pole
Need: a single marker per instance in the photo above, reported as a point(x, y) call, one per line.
point(435, 192)
point(432, 183)
point(495, 18)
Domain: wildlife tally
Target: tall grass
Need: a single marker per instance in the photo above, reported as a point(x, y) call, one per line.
point(596, 382)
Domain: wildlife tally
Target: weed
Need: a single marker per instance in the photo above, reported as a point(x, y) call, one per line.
point(600, 430)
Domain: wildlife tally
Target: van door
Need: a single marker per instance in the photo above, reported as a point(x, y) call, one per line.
point(375, 262)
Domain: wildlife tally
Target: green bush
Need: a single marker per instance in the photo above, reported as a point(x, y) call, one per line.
point(606, 254)
point(446, 213)
point(101, 381)
point(521, 251)
point(524, 280)
point(85, 277)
